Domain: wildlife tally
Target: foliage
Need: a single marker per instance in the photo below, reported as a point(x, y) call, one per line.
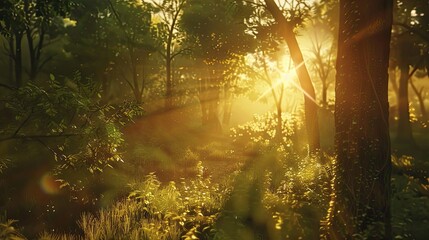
point(264, 27)
point(217, 29)
point(112, 40)
point(20, 15)
point(67, 117)
point(8, 232)
point(290, 197)
point(262, 131)
point(157, 211)
point(271, 197)
point(3, 164)
point(410, 201)
point(73, 128)
point(39, 23)
point(275, 197)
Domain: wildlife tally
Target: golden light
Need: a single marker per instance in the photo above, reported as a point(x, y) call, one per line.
point(277, 84)
point(287, 79)
point(49, 185)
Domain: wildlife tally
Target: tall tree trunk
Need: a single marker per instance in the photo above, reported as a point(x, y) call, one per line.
point(18, 59)
point(137, 91)
point(169, 56)
point(209, 101)
point(137, 94)
point(35, 51)
point(420, 97)
point(11, 60)
point(392, 78)
point(404, 132)
point(203, 96)
point(310, 105)
point(32, 55)
point(169, 82)
point(213, 110)
point(325, 93)
point(227, 104)
point(105, 87)
point(360, 204)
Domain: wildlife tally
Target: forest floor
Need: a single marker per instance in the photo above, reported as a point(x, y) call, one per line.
point(160, 144)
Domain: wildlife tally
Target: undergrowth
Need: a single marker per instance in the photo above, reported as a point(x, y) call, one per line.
point(276, 194)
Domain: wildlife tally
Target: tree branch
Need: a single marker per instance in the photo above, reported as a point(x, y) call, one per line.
point(45, 62)
point(8, 87)
point(126, 80)
point(35, 137)
point(413, 30)
point(23, 123)
point(179, 52)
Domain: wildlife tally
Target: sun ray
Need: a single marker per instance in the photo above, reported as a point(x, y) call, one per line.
point(283, 80)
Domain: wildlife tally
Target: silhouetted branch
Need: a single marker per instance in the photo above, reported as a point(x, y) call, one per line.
point(23, 123)
point(35, 137)
point(413, 30)
point(180, 52)
point(7, 86)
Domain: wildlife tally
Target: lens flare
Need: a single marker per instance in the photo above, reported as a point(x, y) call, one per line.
point(49, 185)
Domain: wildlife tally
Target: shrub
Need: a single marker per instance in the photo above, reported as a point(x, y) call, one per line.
point(262, 132)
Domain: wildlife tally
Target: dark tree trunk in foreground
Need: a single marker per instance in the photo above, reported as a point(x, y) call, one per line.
point(360, 204)
point(310, 105)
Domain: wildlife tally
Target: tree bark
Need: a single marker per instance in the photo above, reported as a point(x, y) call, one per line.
point(213, 98)
point(227, 104)
point(202, 96)
point(404, 132)
point(18, 59)
point(420, 97)
point(209, 100)
point(392, 79)
point(35, 51)
point(137, 89)
point(11, 59)
point(324, 94)
point(169, 82)
point(310, 105)
point(360, 203)
point(169, 59)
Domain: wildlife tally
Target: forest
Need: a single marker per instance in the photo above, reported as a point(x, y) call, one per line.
point(214, 119)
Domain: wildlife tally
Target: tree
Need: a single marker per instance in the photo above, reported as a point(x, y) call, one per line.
point(323, 57)
point(420, 94)
point(286, 30)
point(12, 27)
point(404, 59)
point(68, 119)
point(265, 65)
point(42, 23)
point(38, 21)
point(112, 40)
point(92, 44)
point(136, 42)
point(216, 33)
point(170, 36)
point(261, 70)
point(410, 52)
point(360, 204)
